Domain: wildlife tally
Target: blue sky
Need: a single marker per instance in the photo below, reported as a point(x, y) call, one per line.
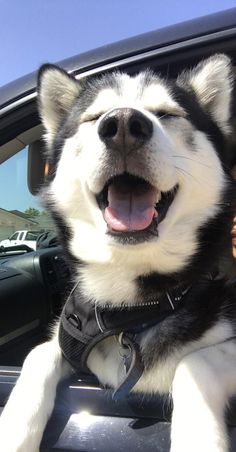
point(33, 32)
point(14, 193)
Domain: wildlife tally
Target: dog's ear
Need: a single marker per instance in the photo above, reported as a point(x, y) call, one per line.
point(57, 92)
point(212, 82)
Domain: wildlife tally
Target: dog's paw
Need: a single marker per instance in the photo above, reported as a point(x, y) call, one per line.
point(198, 423)
point(8, 443)
point(14, 439)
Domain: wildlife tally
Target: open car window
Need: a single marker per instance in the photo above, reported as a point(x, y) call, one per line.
point(19, 209)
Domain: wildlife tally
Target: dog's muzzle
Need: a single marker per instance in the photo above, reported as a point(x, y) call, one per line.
point(132, 206)
point(125, 130)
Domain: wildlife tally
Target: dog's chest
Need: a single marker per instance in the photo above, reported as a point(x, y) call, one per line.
point(106, 359)
point(107, 362)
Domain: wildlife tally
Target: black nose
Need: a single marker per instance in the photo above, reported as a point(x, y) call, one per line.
point(125, 129)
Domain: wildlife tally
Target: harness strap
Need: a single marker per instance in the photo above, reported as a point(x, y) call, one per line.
point(83, 325)
point(133, 367)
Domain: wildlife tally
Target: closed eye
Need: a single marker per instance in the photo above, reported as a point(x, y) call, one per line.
point(176, 112)
point(91, 118)
point(161, 114)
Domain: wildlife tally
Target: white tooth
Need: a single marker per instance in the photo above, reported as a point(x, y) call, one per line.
point(158, 197)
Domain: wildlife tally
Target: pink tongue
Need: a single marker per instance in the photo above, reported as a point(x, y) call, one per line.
point(130, 208)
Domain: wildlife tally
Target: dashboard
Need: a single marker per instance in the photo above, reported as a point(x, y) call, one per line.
point(33, 287)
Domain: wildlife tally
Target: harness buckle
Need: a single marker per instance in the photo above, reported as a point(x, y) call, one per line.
point(124, 350)
point(97, 319)
point(75, 321)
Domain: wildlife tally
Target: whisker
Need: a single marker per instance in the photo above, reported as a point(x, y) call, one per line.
point(226, 167)
point(227, 205)
point(193, 160)
point(163, 116)
point(186, 173)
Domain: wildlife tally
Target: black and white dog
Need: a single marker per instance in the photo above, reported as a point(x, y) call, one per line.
point(144, 203)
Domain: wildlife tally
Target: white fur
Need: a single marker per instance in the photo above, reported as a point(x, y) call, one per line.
point(201, 181)
point(201, 374)
point(155, 95)
point(58, 95)
point(213, 84)
point(31, 402)
point(108, 370)
point(203, 383)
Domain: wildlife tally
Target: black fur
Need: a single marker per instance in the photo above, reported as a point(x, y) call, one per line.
point(206, 302)
point(200, 119)
point(209, 298)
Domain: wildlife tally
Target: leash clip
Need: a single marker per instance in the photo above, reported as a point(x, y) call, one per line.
point(133, 366)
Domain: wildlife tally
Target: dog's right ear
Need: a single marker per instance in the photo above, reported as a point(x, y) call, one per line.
point(57, 92)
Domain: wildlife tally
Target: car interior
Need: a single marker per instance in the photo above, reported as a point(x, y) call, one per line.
point(34, 284)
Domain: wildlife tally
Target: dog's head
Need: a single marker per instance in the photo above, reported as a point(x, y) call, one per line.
point(139, 162)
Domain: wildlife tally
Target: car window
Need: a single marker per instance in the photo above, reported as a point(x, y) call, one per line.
point(32, 235)
point(14, 236)
point(19, 209)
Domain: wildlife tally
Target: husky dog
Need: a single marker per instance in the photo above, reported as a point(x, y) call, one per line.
point(143, 201)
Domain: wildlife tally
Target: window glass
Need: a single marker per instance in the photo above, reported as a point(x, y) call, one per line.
point(19, 209)
point(30, 235)
point(14, 236)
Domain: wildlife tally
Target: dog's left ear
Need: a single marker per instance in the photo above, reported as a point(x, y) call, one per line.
point(212, 82)
point(57, 92)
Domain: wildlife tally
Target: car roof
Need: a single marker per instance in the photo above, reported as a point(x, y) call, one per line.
point(128, 48)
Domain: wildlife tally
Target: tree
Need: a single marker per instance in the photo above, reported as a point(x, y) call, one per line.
point(32, 212)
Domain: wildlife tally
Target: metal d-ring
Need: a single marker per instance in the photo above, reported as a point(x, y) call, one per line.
point(123, 347)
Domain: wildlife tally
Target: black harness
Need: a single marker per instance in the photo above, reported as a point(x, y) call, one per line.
point(84, 324)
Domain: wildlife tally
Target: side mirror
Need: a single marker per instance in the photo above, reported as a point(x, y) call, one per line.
point(36, 166)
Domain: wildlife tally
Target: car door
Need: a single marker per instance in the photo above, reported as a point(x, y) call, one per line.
point(14, 239)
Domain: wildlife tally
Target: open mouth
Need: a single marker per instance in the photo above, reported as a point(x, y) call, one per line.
point(132, 207)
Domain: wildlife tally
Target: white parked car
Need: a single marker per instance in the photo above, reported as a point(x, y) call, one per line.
point(28, 238)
